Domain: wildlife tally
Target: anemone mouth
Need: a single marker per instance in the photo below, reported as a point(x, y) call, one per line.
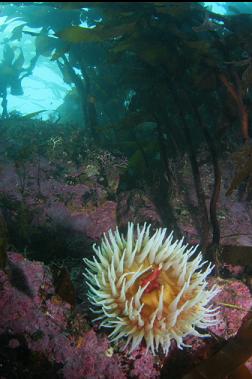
point(149, 288)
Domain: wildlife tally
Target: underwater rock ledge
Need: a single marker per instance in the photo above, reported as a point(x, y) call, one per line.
point(36, 318)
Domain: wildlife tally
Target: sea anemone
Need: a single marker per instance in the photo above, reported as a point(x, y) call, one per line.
point(149, 287)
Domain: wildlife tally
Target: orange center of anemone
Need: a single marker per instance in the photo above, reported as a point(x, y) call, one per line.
point(150, 298)
point(152, 280)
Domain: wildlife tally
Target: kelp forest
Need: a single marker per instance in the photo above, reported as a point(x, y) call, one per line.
point(154, 129)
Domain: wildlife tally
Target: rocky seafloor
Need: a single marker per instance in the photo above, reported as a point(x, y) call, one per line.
point(58, 211)
point(41, 334)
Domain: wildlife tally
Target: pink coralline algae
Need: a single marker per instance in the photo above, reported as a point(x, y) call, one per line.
point(33, 310)
point(143, 365)
point(101, 220)
point(235, 301)
point(80, 207)
point(91, 360)
point(30, 308)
